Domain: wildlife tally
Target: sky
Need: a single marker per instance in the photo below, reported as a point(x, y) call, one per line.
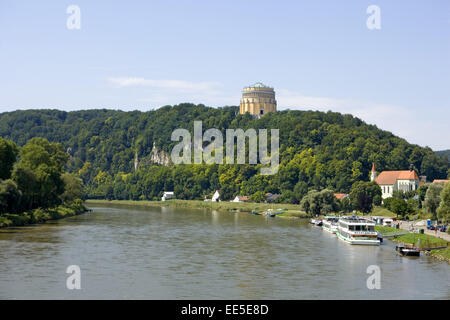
point(318, 55)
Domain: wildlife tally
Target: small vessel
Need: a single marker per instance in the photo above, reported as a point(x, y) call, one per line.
point(355, 230)
point(270, 213)
point(330, 224)
point(273, 213)
point(407, 251)
point(255, 212)
point(316, 222)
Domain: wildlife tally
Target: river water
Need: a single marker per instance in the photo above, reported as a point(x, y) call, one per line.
point(170, 253)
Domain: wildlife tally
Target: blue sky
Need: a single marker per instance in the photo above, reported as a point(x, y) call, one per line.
point(317, 55)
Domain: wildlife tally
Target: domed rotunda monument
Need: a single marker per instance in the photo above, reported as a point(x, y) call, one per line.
point(258, 100)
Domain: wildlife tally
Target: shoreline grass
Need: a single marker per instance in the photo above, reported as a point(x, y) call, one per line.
point(290, 210)
point(40, 215)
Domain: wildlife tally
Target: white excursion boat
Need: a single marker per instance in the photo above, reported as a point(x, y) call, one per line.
point(355, 230)
point(330, 224)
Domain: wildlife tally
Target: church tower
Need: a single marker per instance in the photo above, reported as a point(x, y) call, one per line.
point(373, 173)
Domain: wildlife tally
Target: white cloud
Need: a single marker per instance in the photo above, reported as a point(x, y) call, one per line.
point(416, 126)
point(177, 85)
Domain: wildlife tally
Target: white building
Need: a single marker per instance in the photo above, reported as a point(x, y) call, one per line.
point(216, 196)
point(167, 195)
point(390, 181)
point(241, 199)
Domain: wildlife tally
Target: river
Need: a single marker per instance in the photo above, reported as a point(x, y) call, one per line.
point(171, 253)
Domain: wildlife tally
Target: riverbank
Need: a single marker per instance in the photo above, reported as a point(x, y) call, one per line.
point(41, 215)
point(290, 210)
point(421, 241)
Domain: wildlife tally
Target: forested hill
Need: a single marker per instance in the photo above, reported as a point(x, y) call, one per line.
point(317, 150)
point(444, 153)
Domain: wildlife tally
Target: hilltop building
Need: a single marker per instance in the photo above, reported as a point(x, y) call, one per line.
point(390, 181)
point(258, 100)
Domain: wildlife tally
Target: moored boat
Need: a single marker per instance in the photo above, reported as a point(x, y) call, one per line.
point(330, 224)
point(273, 213)
point(355, 230)
point(407, 251)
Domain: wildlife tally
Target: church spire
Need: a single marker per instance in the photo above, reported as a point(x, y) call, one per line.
point(373, 173)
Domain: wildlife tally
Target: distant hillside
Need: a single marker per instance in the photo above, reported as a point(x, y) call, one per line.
point(317, 150)
point(444, 153)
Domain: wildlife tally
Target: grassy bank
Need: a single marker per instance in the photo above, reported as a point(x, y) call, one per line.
point(291, 210)
point(384, 230)
point(421, 241)
point(382, 212)
point(41, 215)
point(441, 254)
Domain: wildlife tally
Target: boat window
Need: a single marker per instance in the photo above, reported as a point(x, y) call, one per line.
point(358, 228)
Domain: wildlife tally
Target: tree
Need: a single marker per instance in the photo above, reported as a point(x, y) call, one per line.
point(443, 211)
point(316, 202)
point(258, 196)
point(8, 153)
point(73, 187)
point(28, 184)
point(362, 195)
point(10, 197)
point(399, 207)
point(421, 192)
point(42, 162)
point(345, 205)
point(328, 201)
point(433, 198)
point(309, 203)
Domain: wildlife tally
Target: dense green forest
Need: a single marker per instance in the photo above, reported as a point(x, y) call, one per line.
point(318, 150)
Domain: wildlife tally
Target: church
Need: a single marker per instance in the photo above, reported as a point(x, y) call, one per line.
point(390, 181)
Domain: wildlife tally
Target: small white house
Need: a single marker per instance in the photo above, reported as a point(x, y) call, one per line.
point(241, 199)
point(216, 196)
point(167, 195)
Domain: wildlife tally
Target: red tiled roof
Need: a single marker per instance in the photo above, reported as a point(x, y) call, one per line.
point(339, 196)
point(441, 180)
point(390, 177)
point(373, 167)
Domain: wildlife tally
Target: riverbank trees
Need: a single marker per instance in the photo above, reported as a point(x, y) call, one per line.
point(443, 212)
point(364, 195)
point(35, 179)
